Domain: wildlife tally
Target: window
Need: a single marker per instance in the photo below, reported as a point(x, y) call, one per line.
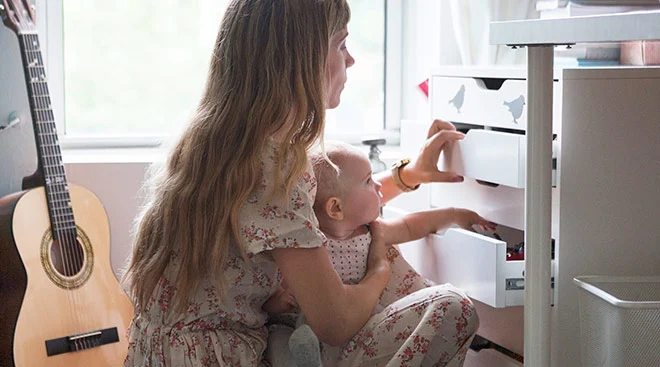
point(133, 71)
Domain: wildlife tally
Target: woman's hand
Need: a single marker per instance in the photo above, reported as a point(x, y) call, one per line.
point(377, 259)
point(424, 168)
point(465, 219)
point(282, 301)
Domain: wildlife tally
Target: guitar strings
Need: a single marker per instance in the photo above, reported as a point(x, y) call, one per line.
point(53, 169)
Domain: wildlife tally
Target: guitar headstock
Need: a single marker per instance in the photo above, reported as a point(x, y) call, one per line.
point(18, 15)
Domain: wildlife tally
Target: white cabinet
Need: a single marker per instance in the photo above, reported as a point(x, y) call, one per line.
point(605, 200)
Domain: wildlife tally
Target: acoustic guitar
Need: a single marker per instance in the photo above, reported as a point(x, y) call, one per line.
point(61, 304)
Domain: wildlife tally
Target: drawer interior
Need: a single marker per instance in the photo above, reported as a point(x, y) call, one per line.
point(489, 265)
point(514, 239)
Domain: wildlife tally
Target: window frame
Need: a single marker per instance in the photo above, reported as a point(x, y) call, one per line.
point(50, 27)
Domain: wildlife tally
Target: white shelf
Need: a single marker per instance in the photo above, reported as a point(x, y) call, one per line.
point(584, 29)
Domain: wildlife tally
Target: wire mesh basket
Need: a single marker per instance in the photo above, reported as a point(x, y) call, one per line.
point(619, 320)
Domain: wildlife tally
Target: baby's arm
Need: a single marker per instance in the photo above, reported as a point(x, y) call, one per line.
point(417, 225)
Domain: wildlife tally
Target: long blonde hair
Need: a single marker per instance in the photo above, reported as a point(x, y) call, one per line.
point(267, 68)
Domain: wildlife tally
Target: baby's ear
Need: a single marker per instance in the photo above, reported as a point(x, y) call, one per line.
point(333, 208)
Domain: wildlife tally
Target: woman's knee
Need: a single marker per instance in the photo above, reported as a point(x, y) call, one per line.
point(460, 310)
point(469, 316)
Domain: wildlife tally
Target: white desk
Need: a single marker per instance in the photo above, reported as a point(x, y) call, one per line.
point(540, 36)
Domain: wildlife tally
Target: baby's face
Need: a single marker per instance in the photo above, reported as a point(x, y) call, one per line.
point(362, 197)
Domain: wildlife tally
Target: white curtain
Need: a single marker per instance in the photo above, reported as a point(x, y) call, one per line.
point(470, 23)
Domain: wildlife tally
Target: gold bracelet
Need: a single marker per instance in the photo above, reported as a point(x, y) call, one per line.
point(396, 176)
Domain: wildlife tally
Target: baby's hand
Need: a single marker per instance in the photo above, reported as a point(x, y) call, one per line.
point(282, 301)
point(465, 219)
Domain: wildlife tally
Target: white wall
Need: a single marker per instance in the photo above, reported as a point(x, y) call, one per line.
point(117, 185)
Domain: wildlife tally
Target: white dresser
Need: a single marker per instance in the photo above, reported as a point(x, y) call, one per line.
point(605, 195)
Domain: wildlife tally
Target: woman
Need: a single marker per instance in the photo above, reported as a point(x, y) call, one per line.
point(231, 213)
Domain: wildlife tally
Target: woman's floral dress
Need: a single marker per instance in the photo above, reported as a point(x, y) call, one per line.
point(228, 331)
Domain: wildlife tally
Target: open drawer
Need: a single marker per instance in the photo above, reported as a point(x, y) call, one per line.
point(496, 102)
point(478, 264)
point(492, 156)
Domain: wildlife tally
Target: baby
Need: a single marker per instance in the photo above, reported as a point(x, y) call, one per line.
point(347, 199)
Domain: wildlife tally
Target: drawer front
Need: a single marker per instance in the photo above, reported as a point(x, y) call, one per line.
point(477, 264)
point(468, 100)
point(492, 156)
point(502, 205)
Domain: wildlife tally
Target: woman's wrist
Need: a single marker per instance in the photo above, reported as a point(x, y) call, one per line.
point(379, 270)
point(409, 177)
point(382, 265)
point(405, 177)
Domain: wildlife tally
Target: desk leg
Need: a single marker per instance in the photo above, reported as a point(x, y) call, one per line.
point(538, 205)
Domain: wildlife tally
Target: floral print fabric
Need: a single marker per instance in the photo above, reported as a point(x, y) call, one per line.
point(415, 323)
point(430, 327)
point(228, 331)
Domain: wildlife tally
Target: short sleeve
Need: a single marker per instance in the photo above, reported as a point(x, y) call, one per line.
point(265, 225)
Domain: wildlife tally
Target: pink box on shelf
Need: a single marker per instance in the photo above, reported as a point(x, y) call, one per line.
point(640, 53)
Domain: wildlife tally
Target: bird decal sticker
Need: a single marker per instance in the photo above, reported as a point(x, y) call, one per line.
point(516, 107)
point(457, 101)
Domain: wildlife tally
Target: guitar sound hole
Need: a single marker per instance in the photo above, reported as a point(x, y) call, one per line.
point(67, 256)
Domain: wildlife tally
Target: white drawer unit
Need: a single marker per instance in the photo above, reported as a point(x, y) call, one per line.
point(492, 156)
point(489, 101)
point(604, 205)
point(478, 265)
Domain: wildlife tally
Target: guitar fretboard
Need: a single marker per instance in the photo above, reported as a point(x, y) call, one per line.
point(45, 130)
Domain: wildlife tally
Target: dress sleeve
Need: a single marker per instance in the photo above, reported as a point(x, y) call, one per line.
point(266, 225)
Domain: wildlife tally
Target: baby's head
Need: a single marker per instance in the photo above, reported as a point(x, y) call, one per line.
point(349, 194)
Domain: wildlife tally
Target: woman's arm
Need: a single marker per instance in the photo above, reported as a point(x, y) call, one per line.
point(424, 168)
point(335, 311)
point(417, 225)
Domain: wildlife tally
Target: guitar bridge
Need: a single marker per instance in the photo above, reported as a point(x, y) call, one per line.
point(74, 343)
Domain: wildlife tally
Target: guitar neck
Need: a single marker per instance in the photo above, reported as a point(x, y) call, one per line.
point(45, 131)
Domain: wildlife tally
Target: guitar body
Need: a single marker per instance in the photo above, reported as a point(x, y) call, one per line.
point(61, 303)
point(57, 305)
